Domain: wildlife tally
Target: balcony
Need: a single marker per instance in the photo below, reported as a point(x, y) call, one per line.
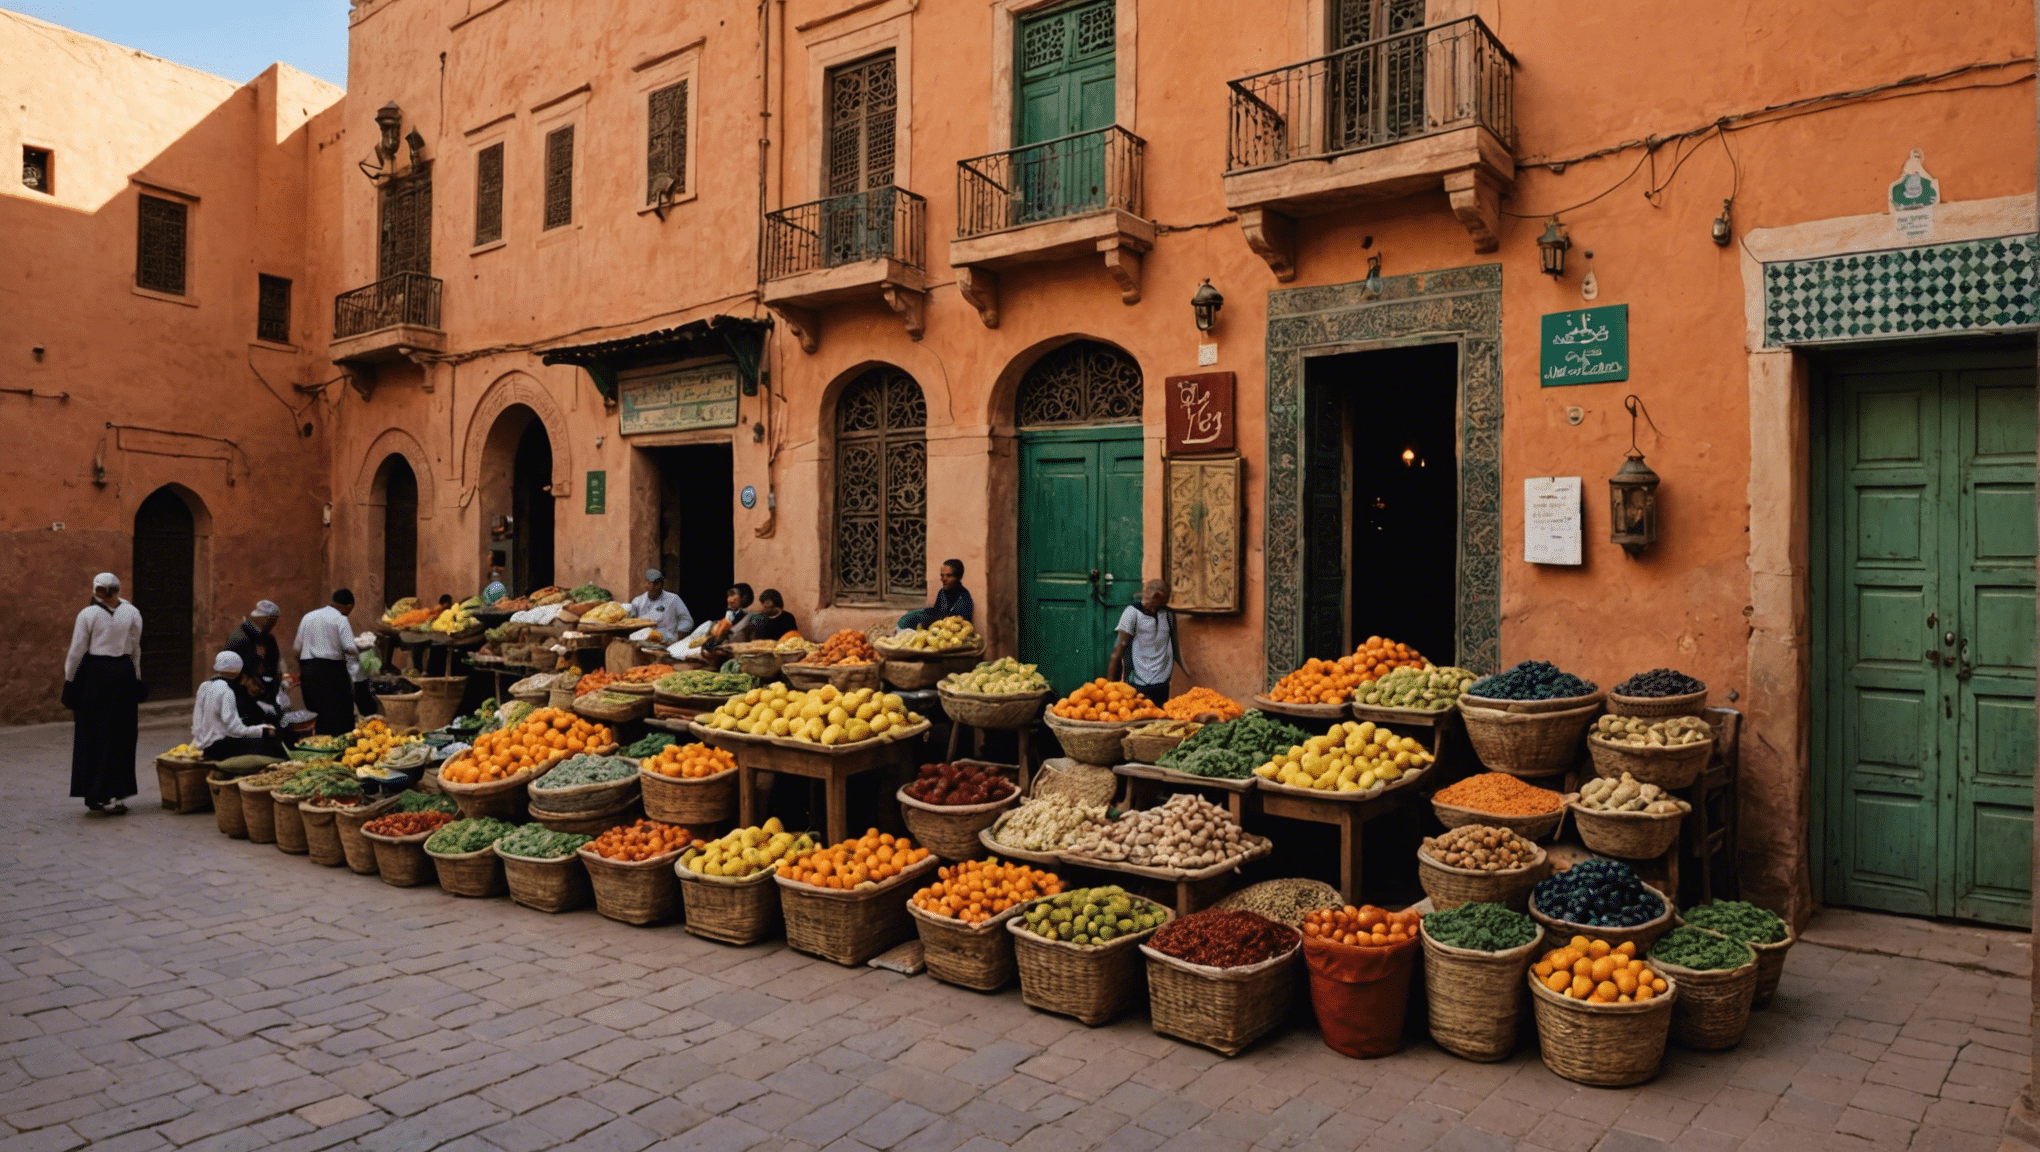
point(1425, 109)
point(1075, 196)
point(387, 321)
point(868, 245)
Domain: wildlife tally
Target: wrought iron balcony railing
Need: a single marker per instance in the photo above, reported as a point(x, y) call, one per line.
point(409, 298)
point(877, 223)
point(1070, 176)
point(1434, 79)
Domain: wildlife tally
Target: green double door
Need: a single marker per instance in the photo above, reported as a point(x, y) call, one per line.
point(1067, 74)
point(1080, 546)
point(1926, 723)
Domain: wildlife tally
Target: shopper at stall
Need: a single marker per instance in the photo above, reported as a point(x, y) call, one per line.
point(770, 622)
point(668, 614)
point(952, 599)
point(497, 586)
point(711, 635)
point(103, 688)
point(329, 662)
point(220, 723)
point(254, 641)
point(1148, 650)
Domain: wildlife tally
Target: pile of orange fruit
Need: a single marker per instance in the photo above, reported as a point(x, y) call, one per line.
point(593, 682)
point(689, 761)
point(1593, 971)
point(872, 858)
point(1366, 925)
point(1333, 681)
point(1202, 701)
point(846, 647)
point(644, 674)
point(1104, 699)
point(977, 890)
point(504, 753)
point(644, 840)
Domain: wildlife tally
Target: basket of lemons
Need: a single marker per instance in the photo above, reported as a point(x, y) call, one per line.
point(997, 694)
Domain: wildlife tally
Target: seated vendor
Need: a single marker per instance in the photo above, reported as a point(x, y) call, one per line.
point(770, 622)
point(219, 716)
point(714, 632)
point(952, 599)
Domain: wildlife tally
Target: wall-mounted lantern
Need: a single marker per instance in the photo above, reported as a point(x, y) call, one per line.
point(1632, 493)
point(1205, 304)
point(1551, 249)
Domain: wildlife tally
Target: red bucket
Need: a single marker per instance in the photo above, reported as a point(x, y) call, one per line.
point(1361, 994)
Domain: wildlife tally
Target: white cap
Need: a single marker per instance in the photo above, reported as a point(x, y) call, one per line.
point(267, 608)
point(228, 662)
point(106, 580)
point(653, 575)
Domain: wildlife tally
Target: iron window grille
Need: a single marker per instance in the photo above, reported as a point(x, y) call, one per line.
point(559, 177)
point(874, 224)
point(489, 195)
point(37, 170)
point(272, 309)
point(881, 488)
point(160, 245)
point(1072, 175)
point(1082, 382)
point(405, 242)
point(863, 114)
point(666, 144)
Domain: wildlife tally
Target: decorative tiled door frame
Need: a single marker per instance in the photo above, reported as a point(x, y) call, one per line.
point(1462, 306)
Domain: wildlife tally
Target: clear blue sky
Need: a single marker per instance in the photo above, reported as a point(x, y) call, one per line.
point(235, 39)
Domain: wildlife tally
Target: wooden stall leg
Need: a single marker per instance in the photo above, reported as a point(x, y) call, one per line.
point(837, 797)
point(1349, 857)
point(955, 735)
point(1026, 758)
point(747, 795)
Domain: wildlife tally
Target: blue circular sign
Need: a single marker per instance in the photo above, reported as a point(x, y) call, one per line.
point(749, 496)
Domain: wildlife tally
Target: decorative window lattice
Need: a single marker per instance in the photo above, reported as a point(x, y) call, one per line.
point(666, 144)
point(559, 177)
point(1976, 285)
point(1042, 44)
point(1096, 30)
point(272, 309)
point(406, 242)
point(881, 487)
point(863, 110)
point(160, 245)
point(1358, 21)
point(489, 194)
point(1083, 382)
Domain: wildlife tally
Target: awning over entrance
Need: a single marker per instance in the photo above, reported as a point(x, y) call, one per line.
point(737, 337)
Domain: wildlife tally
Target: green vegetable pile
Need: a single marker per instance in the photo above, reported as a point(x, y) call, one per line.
point(586, 769)
point(1233, 749)
point(1704, 951)
point(326, 782)
point(426, 802)
point(1091, 916)
point(273, 777)
point(586, 592)
point(649, 746)
point(700, 682)
point(1737, 920)
point(470, 835)
point(536, 842)
point(1481, 928)
point(520, 710)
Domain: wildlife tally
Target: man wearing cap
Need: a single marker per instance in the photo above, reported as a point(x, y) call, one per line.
point(668, 615)
point(103, 689)
point(254, 641)
point(219, 726)
point(329, 661)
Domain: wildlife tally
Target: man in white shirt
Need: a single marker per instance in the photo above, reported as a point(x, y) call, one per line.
point(217, 725)
point(1148, 648)
point(329, 661)
point(667, 614)
point(103, 690)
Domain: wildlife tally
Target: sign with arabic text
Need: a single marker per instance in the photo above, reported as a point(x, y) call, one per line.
point(1200, 416)
point(703, 397)
point(598, 494)
point(1584, 347)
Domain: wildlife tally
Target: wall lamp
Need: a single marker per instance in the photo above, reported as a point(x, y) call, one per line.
point(1551, 249)
point(1205, 304)
point(1632, 492)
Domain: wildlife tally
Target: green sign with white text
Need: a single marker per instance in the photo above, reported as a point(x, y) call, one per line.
point(1584, 347)
point(598, 492)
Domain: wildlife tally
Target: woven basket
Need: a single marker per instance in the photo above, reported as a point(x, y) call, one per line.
point(1527, 743)
point(640, 892)
point(290, 824)
point(732, 911)
point(1770, 962)
point(440, 702)
point(1642, 935)
point(850, 927)
point(182, 784)
point(258, 815)
point(353, 842)
point(1449, 887)
point(846, 677)
point(560, 698)
point(401, 860)
point(1528, 827)
point(1326, 897)
point(322, 835)
point(478, 873)
point(1665, 765)
point(1091, 741)
point(695, 802)
point(994, 713)
point(1223, 1009)
point(504, 799)
point(974, 956)
point(1629, 835)
point(226, 806)
point(594, 707)
point(1092, 983)
point(1329, 713)
point(589, 823)
point(1609, 1045)
point(888, 650)
point(1148, 749)
point(558, 885)
point(1562, 704)
point(599, 797)
point(951, 830)
point(400, 709)
point(1713, 1007)
point(1478, 999)
point(761, 666)
point(1659, 707)
point(928, 670)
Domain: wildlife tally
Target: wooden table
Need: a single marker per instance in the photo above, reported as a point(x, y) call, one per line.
point(833, 769)
point(1144, 782)
point(1183, 895)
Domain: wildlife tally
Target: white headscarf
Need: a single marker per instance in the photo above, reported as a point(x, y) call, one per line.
point(105, 580)
point(228, 663)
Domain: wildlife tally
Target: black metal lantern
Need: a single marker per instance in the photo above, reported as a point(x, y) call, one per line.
point(1206, 304)
point(1551, 249)
point(1632, 493)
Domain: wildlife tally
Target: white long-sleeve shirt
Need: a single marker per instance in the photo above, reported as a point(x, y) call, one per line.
point(324, 634)
point(214, 717)
point(667, 614)
point(98, 632)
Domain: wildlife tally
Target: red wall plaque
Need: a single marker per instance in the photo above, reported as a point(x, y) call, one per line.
point(1200, 412)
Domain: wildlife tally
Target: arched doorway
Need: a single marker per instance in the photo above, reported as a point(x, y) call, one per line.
point(532, 504)
point(399, 529)
point(1078, 413)
point(164, 588)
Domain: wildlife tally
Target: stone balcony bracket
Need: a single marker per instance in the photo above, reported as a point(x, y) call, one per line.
point(1117, 237)
point(799, 299)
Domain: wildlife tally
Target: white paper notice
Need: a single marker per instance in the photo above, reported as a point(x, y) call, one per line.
point(1551, 520)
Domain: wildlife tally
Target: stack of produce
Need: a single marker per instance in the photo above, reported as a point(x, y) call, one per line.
point(537, 842)
point(402, 607)
point(1366, 925)
point(1224, 939)
point(470, 835)
point(1283, 901)
point(792, 644)
point(332, 786)
point(646, 673)
point(610, 698)
point(704, 683)
point(427, 802)
point(1702, 951)
point(1428, 689)
point(1204, 705)
point(690, 761)
point(1002, 677)
point(977, 890)
point(1333, 681)
point(1180, 729)
point(1500, 794)
point(1626, 795)
point(1638, 732)
point(955, 785)
point(1531, 680)
point(644, 840)
point(412, 619)
point(513, 604)
point(1351, 757)
point(1186, 832)
point(184, 752)
point(502, 754)
point(945, 635)
point(594, 681)
point(848, 648)
point(1738, 920)
point(651, 745)
point(1480, 928)
point(749, 851)
point(872, 858)
point(1045, 825)
point(552, 594)
point(1233, 749)
point(1593, 971)
point(275, 776)
point(1659, 682)
point(1092, 916)
point(1481, 849)
point(1598, 892)
point(1107, 700)
point(823, 716)
point(455, 620)
point(370, 742)
point(610, 613)
point(581, 594)
point(586, 769)
point(408, 823)
point(332, 744)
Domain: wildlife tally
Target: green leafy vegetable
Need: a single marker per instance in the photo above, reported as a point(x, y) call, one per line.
point(539, 843)
point(1481, 928)
point(470, 835)
point(1234, 748)
point(1693, 948)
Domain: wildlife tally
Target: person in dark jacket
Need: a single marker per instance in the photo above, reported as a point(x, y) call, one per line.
point(952, 599)
point(254, 641)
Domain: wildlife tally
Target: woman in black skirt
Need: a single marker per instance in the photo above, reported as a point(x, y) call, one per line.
point(103, 690)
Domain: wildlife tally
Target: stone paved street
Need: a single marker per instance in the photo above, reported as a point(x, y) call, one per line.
point(165, 986)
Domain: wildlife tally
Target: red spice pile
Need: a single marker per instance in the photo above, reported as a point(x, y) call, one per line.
point(406, 823)
point(1231, 939)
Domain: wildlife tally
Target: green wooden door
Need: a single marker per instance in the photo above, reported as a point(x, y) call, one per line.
point(1080, 546)
point(1926, 728)
point(1066, 68)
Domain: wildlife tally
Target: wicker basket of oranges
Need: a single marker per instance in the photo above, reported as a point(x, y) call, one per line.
point(1321, 688)
point(691, 784)
point(1092, 721)
point(489, 778)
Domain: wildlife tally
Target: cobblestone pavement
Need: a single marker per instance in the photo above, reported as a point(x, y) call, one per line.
point(165, 986)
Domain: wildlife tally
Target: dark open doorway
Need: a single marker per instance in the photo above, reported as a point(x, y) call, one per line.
point(400, 529)
point(531, 501)
point(696, 545)
point(1381, 495)
point(162, 589)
